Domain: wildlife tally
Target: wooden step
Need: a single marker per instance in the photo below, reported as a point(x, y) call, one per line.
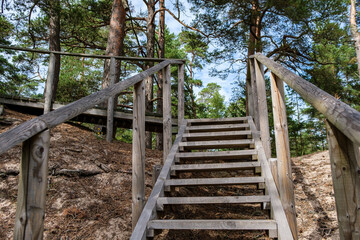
point(210, 200)
point(213, 181)
point(215, 166)
point(217, 128)
point(215, 121)
point(217, 135)
point(221, 155)
point(217, 144)
point(221, 224)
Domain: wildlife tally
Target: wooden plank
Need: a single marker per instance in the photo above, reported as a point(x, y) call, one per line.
point(345, 165)
point(254, 93)
point(181, 96)
point(249, 94)
point(217, 135)
point(150, 206)
point(240, 154)
point(221, 224)
point(52, 119)
point(345, 118)
point(213, 128)
point(284, 230)
point(111, 104)
point(137, 59)
point(210, 200)
point(91, 111)
point(30, 209)
point(217, 144)
point(138, 153)
point(263, 110)
point(209, 121)
point(215, 166)
point(167, 132)
point(283, 171)
point(49, 83)
point(213, 181)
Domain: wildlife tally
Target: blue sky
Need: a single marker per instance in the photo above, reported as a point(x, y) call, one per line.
point(175, 27)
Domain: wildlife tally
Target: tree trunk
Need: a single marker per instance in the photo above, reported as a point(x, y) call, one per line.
point(354, 32)
point(159, 103)
point(54, 42)
point(115, 44)
point(150, 48)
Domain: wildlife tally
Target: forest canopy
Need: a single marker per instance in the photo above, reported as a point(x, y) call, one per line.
point(315, 39)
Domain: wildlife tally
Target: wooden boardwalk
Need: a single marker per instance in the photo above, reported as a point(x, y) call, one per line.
point(94, 115)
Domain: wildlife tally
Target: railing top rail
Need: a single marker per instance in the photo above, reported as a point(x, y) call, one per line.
point(28, 129)
point(137, 59)
point(344, 117)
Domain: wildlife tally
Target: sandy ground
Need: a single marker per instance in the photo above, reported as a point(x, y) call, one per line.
point(99, 206)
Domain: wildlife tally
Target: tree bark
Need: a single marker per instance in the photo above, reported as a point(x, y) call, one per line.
point(159, 103)
point(115, 43)
point(354, 32)
point(150, 48)
point(54, 42)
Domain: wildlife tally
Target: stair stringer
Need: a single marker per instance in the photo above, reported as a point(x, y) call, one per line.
point(284, 231)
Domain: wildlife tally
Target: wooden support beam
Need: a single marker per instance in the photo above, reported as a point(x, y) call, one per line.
point(30, 209)
point(249, 95)
point(283, 174)
point(345, 168)
point(181, 96)
point(345, 118)
point(254, 94)
point(138, 153)
point(111, 104)
point(49, 84)
point(263, 110)
point(167, 132)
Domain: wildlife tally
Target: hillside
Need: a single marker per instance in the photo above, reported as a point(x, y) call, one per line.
point(94, 202)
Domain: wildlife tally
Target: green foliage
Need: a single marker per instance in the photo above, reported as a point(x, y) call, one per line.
point(211, 102)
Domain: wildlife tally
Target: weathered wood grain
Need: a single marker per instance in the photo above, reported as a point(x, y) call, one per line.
point(239, 154)
point(345, 118)
point(148, 212)
point(220, 144)
point(284, 173)
point(49, 84)
point(263, 110)
point(30, 209)
point(181, 94)
point(228, 135)
point(54, 118)
point(215, 166)
point(254, 93)
point(167, 132)
point(213, 181)
point(138, 153)
point(223, 224)
point(111, 104)
point(345, 168)
point(284, 230)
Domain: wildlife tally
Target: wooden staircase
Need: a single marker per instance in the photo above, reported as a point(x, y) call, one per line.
point(216, 162)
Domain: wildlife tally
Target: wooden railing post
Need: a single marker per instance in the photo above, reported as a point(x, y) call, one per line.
point(167, 125)
point(282, 173)
point(249, 95)
point(262, 108)
point(181, 95)
point(138, 152)
point(254, 93)
point(30, 209)
point(111, 104)
point(345, 168)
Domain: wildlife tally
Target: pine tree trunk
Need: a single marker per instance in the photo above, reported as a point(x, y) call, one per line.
point(115, 43)
point(159, 103)
point(354, 32)
point(150, 49)
point(54, 41)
